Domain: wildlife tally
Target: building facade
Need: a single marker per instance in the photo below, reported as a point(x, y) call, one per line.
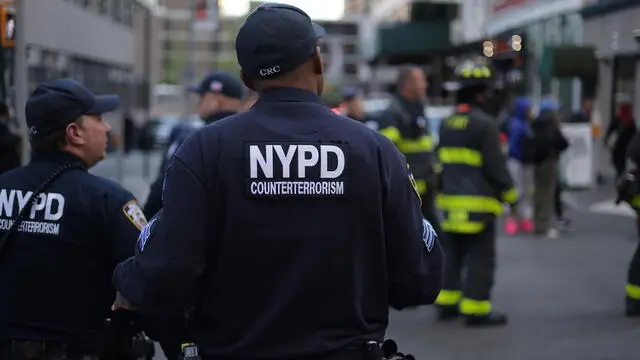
point(398, 13)
point(611, 27)
point(102, 43)
point(340, 48)
point(542, 24)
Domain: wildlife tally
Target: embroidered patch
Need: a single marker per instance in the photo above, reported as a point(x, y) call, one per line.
point(429, 235)
point(134, 213)
point(145, 234)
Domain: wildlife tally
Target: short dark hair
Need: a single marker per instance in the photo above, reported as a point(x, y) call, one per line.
point(404, 74)
point(52, 142)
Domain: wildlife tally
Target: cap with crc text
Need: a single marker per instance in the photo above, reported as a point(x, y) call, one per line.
point(220, 82)
point(275, 39)
point(55, 104)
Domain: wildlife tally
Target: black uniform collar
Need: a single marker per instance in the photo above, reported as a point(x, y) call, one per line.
point(218, 116)
point(61, 157)
point(289, 94)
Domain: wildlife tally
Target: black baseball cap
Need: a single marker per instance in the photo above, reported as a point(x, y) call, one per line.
point(275, 39)
point(220, 82)
point(55, 104)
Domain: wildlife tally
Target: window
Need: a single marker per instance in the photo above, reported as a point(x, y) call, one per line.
point(103, 6)
point(127, 12)
point(350, 69)
point(350, 49)
point(116, 10)
point(350, 29)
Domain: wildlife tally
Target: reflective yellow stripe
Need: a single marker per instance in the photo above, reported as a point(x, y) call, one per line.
point(475, 307)
point(471, 203)
point(462, 227)
point(391, 133)
point(633, 291)
point(458, 155)
point(510, 196)
point(410, 146)
point(449, 297)
point(422, 186)
point(635, 201)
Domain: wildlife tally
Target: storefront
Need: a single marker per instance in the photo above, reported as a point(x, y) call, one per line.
point(543, 25)
point(612, 28)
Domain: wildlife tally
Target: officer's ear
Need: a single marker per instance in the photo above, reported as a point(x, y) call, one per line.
point(318, 62)
point(247, 81)
point(75, 132)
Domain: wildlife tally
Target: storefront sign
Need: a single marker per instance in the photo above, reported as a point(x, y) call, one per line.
point(501, 5)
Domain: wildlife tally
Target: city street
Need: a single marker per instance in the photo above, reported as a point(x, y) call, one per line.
point(564, 297)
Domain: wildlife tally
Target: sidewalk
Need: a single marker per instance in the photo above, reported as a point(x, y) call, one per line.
point(132, 170)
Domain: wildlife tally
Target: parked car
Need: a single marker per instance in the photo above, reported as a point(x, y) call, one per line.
point(161, 131)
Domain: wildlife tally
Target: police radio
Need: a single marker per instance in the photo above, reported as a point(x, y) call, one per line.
point(388, 350)
point(189, 352)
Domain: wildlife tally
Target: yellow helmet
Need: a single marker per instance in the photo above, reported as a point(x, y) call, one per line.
point(471, 74)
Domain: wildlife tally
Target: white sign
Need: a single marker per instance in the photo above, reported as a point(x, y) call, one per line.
point(296, 170)
point(578, 161)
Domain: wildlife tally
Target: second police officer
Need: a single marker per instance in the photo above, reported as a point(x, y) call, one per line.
point(220, 95)
point(475, 184)
point(63, 231)
point(293, 228)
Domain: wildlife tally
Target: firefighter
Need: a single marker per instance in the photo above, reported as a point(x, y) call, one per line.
point(406, 125)
point(629, 190)
point(474, 185)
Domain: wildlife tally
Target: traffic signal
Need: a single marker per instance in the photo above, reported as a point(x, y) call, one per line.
point(7, 27)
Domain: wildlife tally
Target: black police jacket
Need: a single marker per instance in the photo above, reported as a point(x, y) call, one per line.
point(154, 199)
point(293, 228)
point(55, 270)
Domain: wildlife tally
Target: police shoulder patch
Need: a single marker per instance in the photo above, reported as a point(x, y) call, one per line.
point(134, 213)
point(413, 183)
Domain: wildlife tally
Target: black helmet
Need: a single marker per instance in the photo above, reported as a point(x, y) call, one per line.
point(471, 74)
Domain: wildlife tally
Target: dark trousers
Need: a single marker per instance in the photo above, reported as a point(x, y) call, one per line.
point(475, 255)
point(557, 200)
point(544, 179)
point(429, 210)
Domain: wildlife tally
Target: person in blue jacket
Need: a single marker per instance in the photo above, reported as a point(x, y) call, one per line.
point(519, 131)
point(289, 230)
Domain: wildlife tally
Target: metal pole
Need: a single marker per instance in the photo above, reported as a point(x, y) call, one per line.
point(146, 165)
point(21, 76)
point(190, 71)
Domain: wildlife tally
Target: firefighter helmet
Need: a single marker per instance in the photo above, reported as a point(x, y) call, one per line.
point(471, 74)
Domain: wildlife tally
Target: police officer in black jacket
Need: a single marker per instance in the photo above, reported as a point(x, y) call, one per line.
point(220, 95)
point(63, 230)
point(292, 229)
